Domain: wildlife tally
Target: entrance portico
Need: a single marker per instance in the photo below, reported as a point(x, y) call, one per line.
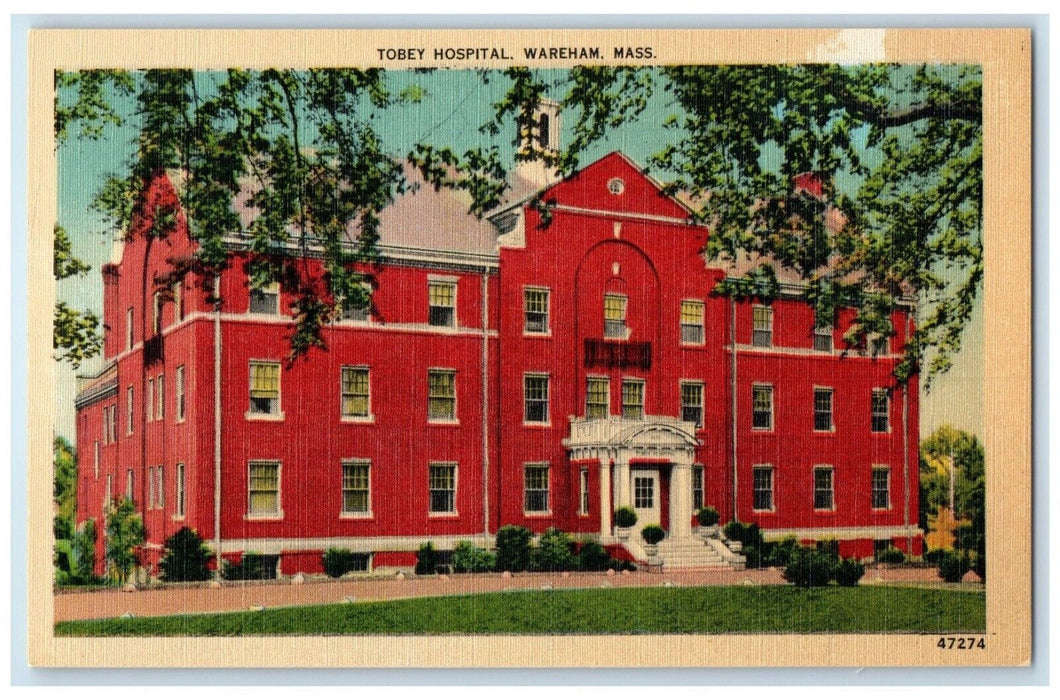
point(634, 456)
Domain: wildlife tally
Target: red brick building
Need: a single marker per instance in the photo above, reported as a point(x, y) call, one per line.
point(532, 368)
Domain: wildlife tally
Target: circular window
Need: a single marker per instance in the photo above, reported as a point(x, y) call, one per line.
point(615, 185)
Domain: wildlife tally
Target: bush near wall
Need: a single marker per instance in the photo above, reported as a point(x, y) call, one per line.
point(513, 548)
point(426, 559)
point(185, 558)
point(891, 555)
point(470, 559)
point(953, 566)
point(338, 562)
point(809, 568)
point(848, 572)
point(554, 552)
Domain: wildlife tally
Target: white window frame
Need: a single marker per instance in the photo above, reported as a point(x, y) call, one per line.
point(160, 492)
point(129, 336)
point(547, 469)
point(278, 513)
point(831, 487)
point(182, 492)
point(277, 412)
point(772, 407)
point(607, 396)
point(699, 325)
point(886, 470)
point(454, 419)
point(130, 397)
point(885, 415)
point(356, 514)
point(643, 396)
point(702, 400)
point(108, 493)
point(272, 289)
point(768, 330)
point(351, 315)
point(95, 459)
point(698, 475)
point(771, 470)
point(355, 417)
point(181, 398)
point(822, 333)
point(149, 399)
point(830, 391)
point(583, 492)
point(130, 485)
point(160, 394)
point(150, 488)
point(430, 501)
point(439, 282)
point(547, 312)
point(611, 332)
point(527, 376)
point(156, 312)
point(178, 302)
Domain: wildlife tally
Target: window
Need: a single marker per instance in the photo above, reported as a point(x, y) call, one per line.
point(178, 300)
point(762, 407)
point(881, 411)
point(160, 492)
point(181, 491)
point(822, 409)
point(129, 484)
point(355, 394)
point(441, 395)
point(542, 130)
point(350, 310)
point(643, 492)
point(822, 338)
point(597, 397)
point(108, 492)
point(129, 328)
point(264, 388)
point(441, 298)
point(615, 316)
point(535, 488)
point(535, 310)
point(180, 393)
point(161, 391)
point(632, 399)
point(149, 399)
point(881, 488)
point(697, 487)
point(879, 345)
point(355, 488)
point(762, 487)
point(762, 329)
point(823, 495)
point(129, 411)
point(535, 394)
point(111, 423)
point(156, 313)
point(95, 459)
point(265, 299)
point(583, 492)
point(442, 488)
point(692, 403)
point(692, 322)
point(263, 488)
point(150, 487)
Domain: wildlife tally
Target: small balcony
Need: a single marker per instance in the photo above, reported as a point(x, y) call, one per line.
point(617, 354)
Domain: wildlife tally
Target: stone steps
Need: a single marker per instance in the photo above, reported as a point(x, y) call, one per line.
point(690, 554)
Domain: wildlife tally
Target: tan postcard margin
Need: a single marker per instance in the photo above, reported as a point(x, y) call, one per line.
point(1005, 55)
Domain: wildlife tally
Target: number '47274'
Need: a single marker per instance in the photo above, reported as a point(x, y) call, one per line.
point(961, 643)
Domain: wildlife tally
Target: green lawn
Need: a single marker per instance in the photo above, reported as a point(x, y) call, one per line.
point(707, 610)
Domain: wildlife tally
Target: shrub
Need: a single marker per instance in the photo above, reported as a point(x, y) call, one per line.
point(809, 567)
point(469, 559)
point(250, 568)
point(708, 516)
point(185, 558)
point(743, 532)
point(829, 548)
point(125, 535)
point(848, 572)
point(625, 517)
point(426, 559)
point(780, 552)
point(553, 552)
point(513, 548)
point(934, 556)
point(62, 528)
point(891, 555)
point(83, 549)
point(593, 557)
point(653, 534)
point(338, 562)
point(62, 560)
point(952, 567)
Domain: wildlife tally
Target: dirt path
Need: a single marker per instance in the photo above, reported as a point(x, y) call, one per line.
point(232, 597)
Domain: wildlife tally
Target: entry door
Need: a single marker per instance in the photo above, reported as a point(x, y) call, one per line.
point(645, 489)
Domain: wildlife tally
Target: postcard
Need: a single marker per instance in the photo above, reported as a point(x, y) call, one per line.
point(638, 348)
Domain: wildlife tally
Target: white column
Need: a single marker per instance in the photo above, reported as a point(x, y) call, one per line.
point(622, 497)
point(681, 501)
point(605, 497)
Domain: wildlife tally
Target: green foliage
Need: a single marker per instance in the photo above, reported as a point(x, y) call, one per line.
point(185, 557)
point(426, 559)
point(653, 534)
point(945, 449)
point(625, 517)
point(62, 528)
point(251, 567)
point(340, 561)
point(471, 559)
point(848, 572)
point(809, 567)
point(83, 550)
point(708, 516)
point(891, 555)
point(593, 557)
point(513, 548)
point(934, 556)
point(953, 566)
point(62, 561)
point(747, 533)
point(554, 552)
point(64, 482)
point(74, 334)
point(125, 535)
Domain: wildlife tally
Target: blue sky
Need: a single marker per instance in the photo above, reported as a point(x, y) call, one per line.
point(456, 103)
